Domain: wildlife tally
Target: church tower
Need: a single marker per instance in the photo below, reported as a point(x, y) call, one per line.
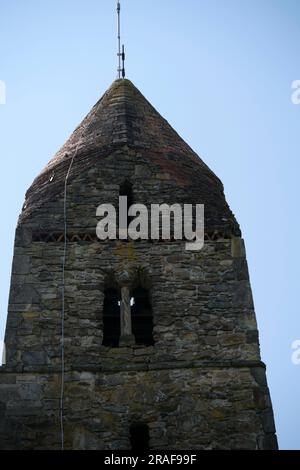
point(129, 344)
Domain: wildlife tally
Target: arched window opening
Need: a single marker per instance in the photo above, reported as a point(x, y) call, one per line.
point(141, 316)
point(126, 190)
point(139, 437)
point(111, 318)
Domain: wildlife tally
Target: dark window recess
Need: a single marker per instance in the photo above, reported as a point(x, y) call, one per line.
point(111, 318)
point(141, 317)
point(139, 437)
point(126, 190)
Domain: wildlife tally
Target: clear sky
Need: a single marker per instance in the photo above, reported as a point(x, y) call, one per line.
point(221, 72)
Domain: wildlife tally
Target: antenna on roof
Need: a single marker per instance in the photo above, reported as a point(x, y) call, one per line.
point(121, 55)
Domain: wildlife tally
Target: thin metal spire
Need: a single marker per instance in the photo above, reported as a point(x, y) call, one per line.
point(121, 55)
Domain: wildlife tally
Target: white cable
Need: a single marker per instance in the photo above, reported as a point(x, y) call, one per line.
point(63, 291)
point(63, 303)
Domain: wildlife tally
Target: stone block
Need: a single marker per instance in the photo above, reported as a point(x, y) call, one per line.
point(237, 247)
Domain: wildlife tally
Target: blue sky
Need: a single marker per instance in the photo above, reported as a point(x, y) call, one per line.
point(221, 73)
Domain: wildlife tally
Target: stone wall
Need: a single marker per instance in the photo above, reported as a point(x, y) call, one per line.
point(193, 407)
point(202, 385)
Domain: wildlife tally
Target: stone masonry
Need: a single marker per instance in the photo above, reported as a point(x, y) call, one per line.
point(202, 385)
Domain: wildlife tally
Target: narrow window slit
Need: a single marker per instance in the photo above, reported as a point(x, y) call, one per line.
point(139, 437)
point(126, 190)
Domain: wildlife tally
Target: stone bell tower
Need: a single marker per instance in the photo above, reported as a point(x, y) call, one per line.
point(123, 344)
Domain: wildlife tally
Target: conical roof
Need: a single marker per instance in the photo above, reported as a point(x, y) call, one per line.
point(123, 117)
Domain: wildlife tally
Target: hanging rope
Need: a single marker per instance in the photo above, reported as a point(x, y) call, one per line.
point(63, 301)
point(64, 285)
